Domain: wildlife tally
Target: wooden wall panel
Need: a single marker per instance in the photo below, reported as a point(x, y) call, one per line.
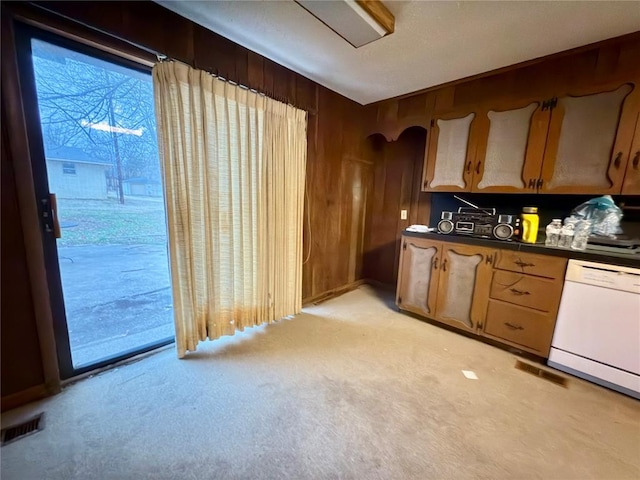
point(396, 186)
point(339, 179)
point(334, 122)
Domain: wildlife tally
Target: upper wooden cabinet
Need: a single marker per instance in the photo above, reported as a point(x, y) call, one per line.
point(588, 143)
point(510, 148)
point(449, 155)
point(573, 144)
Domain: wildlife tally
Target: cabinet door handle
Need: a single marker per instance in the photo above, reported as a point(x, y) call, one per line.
point(636, 160)
point(489, 259)
point(468, 166)
point(444, 265)
point(478, 168)
point(513, 327)
point(435, 263)
point(532, 183)
point(515, 291)
point(616, 162)
point(522, 264)
point(539, 184)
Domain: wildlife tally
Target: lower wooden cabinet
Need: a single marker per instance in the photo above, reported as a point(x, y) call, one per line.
point(418, 275)
point(509, 296)
point(463, 285)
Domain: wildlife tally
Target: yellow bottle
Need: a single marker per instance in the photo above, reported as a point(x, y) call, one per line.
point(530, 221)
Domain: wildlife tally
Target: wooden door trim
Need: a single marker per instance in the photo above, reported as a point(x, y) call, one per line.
point(20, 155)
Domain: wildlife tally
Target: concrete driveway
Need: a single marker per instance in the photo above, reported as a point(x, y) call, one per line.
point(117, 297)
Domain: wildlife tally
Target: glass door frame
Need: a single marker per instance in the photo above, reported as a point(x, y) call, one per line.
point(23, 35)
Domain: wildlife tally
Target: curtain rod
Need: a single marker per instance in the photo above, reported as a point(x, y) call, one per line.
point(163, 58)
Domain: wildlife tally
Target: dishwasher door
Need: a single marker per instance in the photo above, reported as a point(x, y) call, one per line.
point(597, 334)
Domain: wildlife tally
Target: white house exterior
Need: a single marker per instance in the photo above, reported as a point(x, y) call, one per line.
point(73, 174)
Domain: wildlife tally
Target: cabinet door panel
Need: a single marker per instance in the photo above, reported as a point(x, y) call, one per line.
point(418, 277)
point(583, 152)
point(463, 288)
point(510, 149)
point(631, 184)
point(449, 155)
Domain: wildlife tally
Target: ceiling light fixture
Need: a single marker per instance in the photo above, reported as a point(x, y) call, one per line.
point(357, 21)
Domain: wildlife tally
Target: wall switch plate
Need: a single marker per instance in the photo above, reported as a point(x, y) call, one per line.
point(403, 214)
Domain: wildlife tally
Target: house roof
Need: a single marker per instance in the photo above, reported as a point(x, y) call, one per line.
point(72, 154)
point(141, 181)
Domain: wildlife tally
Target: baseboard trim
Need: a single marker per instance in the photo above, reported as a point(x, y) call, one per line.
point(25, 396)
point(378, 284)
point(333, 293)
point(336, 292)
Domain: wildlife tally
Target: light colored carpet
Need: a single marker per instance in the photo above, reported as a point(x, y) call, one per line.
point(350, 389)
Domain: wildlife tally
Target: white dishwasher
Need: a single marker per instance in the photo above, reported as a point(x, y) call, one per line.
point(597, 334)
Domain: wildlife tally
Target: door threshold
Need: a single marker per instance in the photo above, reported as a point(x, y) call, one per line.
point(120, 363)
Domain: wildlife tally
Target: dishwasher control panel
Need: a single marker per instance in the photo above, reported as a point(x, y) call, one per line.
point(604, 275)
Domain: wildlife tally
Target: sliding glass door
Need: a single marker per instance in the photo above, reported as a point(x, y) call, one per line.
point(92, 137)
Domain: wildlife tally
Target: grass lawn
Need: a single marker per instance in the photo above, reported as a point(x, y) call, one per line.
point(107, 222)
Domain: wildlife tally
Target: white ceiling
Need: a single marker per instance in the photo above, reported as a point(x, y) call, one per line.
point(434, 41)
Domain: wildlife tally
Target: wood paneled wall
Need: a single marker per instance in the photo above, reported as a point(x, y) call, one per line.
point(609, 61)
point(334, 132)
point(338, 175)
point(397, 179)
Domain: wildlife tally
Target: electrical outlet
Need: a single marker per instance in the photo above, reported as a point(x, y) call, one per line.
point(403, 214)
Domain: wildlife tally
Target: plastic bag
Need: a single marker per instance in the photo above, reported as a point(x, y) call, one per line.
point(604, 214)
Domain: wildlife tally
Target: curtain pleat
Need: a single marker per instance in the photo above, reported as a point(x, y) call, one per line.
point(233, 165)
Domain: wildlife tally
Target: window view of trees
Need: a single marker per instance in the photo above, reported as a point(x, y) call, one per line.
point(102, 109)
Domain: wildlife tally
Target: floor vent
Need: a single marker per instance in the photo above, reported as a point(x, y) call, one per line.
point(11, 434)
point(542, 373)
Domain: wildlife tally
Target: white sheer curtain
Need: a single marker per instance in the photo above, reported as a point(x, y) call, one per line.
point(233, 163)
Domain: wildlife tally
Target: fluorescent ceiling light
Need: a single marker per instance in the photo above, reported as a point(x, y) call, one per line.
point(357, 21)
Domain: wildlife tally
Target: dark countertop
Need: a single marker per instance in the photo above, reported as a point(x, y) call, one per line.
point(611, 258)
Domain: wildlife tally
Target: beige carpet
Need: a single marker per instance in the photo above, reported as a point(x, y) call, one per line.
point(349, 389)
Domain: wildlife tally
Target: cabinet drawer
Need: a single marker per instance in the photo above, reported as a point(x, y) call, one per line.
point(531, 264)
point(521, 326)
point(526, 290)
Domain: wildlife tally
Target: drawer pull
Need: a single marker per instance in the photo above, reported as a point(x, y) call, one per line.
point(513, 327)
point(616, 162)
point(522, 264)
point(515, 291)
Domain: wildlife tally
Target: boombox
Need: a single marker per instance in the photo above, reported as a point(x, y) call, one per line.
point(483, 223)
